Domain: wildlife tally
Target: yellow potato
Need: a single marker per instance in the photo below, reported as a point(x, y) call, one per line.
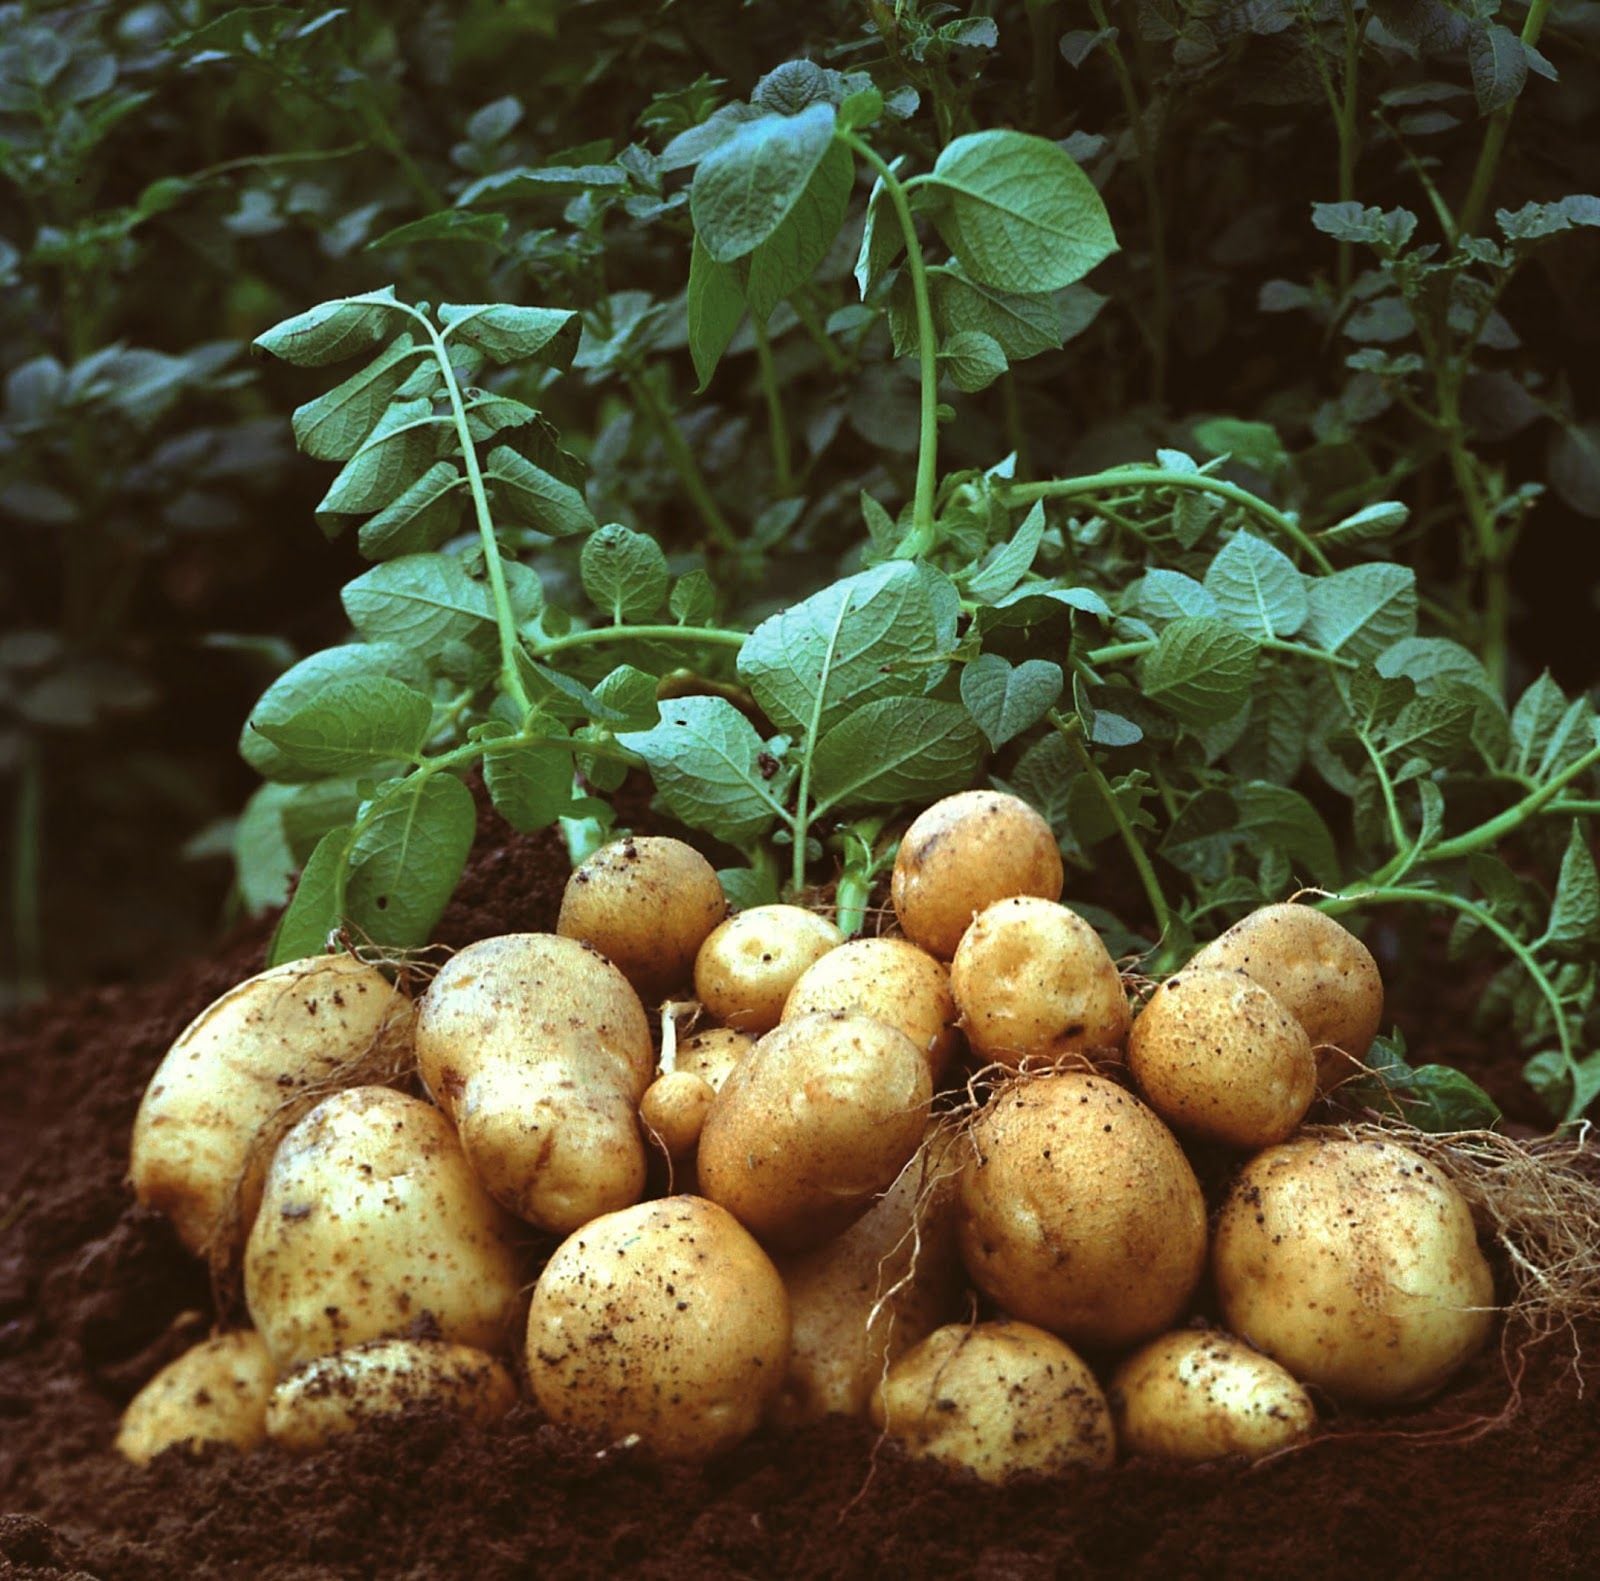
point(215, 1393)
point(747, 966)
point(674, 1110)
point(712, 1054)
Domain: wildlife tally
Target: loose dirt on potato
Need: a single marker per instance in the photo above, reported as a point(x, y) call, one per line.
point(95, 1295)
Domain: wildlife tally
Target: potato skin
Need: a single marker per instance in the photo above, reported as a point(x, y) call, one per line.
point(711, 1054)
point(647, 904)
point(964, 853)
point(673, 1111)
point(1034, 982)
point(539, 1051)
point(1216, 1056)
point(812, 1124)
point(1198, 1395)
point(748, 964)
point(666, 1320)
point(998, 1398)
point(1079, 1211)
point(1355, 1264)
point(201, 1129)
point(215, 1393)
point(372, 1227)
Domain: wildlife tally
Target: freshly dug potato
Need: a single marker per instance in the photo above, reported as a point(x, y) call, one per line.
point(371, 1227)
point(890, 980)
point(199, 1143)
point(540, 1051)
point(216, 1393)
point(1198, 1395)
point(337, 1394)
point(1216, 1056)
point(666, 1320)
point(711, 1054)
point(1356, 1265)
point(647, 904)
point(1034, 981)
point(674, 1110)
point(1320, 972)
point(812, 1124)
point(747, 966)
point(1079, 1211)
point(999, 1399)
point(964, 853)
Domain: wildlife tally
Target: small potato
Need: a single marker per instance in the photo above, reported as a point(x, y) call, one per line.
point(338, 1394)
point(1034, 982)
point(664, 1320)
point(373, 1227)
point(674, 1110)
point(1356, 1265)
point(647, 904)
point(215, 1393)
point(745, 969)
point(963, 854)
point(890, 980)
point(1079, 1211)
point(814, 1122)
point(713, 1053)
point(999, 1399)
point(1198, 1395)
point(201, 1142)
point(1216, 1056)
point(1319, 971)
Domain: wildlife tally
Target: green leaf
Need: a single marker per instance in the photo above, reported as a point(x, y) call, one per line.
point(420, 601)
point(1257, 587)
point(332, 331)
point(746, 887)
point(1372, 521)
point(1550, 1077)
point(446, 225)
point(1200, 669)
point(1433, 1098)
point(624, 573)
point(353, 726)
point(1273, 745)
point(882, 240)
point(1006, 699)
point(313, 913)
point(1575, 913)
point(405, 865)
point(334, 426)
point(1252, 818)
point(1499, 66)
point(1023, 326)
point(524, 183)
point(1255, 444)
point(262, 859)
point(394, 455)
point(1006, 565)
point(895, 750)
point(716, 305)
point(788, 258)
point(420, 519)
point(534, 497)
point(1434, 729)
point(973, 360)
point(529, 782)
point(503, 333)
point(1359, 612)
point(694, 599)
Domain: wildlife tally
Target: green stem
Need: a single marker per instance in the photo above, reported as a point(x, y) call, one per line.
point(1297, 650)
point(598, 634)
point(1348, 140)
point(1494, 140)
point(1404, 847)
point(807, 314)
point(802, 811)
point(682, 461)
point(777, 428)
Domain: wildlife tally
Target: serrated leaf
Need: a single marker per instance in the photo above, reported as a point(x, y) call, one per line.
point(895, 750)
point(504, 333)
point(1575, 912)
point(715, 306)
point(353, 726)
point(624, 573)
point(313, 913)
point(1200, 669)
point(534, 497)
point(420, 519)
point(332, 331)
point(394, 455)
point(787, 259)
point(334, 426)
point(1006, 564)
point(973, 360)
point(1359, 612)
point(405, 865)
point(1007, 699)
point(1256, 587)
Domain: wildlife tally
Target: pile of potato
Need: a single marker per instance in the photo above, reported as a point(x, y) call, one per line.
point(784, 1200)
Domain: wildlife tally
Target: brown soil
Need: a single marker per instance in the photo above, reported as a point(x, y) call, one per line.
point(95, 1295)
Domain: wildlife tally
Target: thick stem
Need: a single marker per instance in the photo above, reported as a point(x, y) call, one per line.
point(717, 635)
point(777, 428)
point(682, 461)
point(1490, 547)
point(1298, 650)
point(1349, 141)
point(1494, 140)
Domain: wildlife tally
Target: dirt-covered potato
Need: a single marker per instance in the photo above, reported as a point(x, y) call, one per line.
point(665, 1320)
point(745, 969)
point(712, 1053)
point(1079, 1211)
point(964, 853)
point(540, 1051)
point(337, 1394)
point(372, 1226)
point(673, 1111)
point(215, 1393)
point(1356, 1265)
point(1035, 982)
point(201, 1142)
point(1319, 971)
point(812, 1124)
point(999, 1399)
point(1199, 1395)
point(647, 904)
point(890, 980)
point(1216, 1056)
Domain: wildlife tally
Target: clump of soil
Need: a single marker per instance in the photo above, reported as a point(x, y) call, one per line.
point(95, 1295)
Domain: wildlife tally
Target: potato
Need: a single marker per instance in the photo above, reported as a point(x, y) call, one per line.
point(1218, 1057)
point(712, 1054)
point(964, 853)
point(664, 1320)
point(215, 1393)
point(1034, 982)
point(1198, 1395)
point(1355, 1264)
point(1320, 972)
point(889, 979)
point(646, 904)
point(999, 1399)
point(813, 1123)
point(540, 1051)
point(373, 1227)
point(200, 1143)
point(1079, 1211)
point(745, 969)
point(674, 1110)
point(338, 1394)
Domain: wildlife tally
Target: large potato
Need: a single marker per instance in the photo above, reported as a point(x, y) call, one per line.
point(812, 1124)
point(540, 1051)
point(1079, 1211)
point(373, 1227)
point(1356, 1265)
point(665, 1320)
point(215, 1393)
point(1034, 982)
point(201, 1141)
point(964, 853)
point(999, 1399)
point(747, 966)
